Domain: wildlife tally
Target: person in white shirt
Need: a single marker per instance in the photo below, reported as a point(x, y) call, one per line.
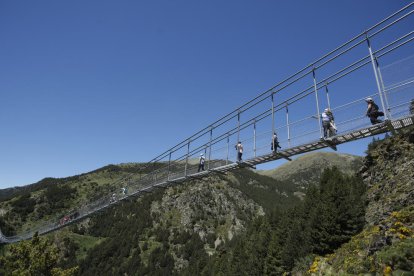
point(327, 123)
point(239, 148)
point(201, 162)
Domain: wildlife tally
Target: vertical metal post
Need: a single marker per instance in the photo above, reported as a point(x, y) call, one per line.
point(317, 103)
point(254, 138)
point(327, 96)
point(273, 121)
point(169, 167)
point(186, 158)
point(209, 150)
point(238, 126)
point(288, 124)
point(388, 111)
point(227, 155)
point(376, 77)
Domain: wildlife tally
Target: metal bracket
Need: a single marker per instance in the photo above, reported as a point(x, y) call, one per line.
point(282, 155)
point(330, 144)
point(391, 127)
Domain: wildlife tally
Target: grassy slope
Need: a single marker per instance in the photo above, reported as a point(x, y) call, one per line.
point(306, 169)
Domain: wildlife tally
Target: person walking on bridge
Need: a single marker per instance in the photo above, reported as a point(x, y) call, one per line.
point(201, 162)
point(239, 149)
point(373, 111)
point(328, 123)
point(275, 143)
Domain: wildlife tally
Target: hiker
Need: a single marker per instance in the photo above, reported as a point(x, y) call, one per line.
point(113, 198)
point(275, 143)
point(123, 190)
point(201, 162)
point(373, 111)
point(328, 124)
point(239, 148)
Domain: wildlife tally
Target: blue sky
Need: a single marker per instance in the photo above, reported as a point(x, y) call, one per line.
point(84, 84)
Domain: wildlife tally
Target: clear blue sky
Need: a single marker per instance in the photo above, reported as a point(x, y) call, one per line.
point(84, 84)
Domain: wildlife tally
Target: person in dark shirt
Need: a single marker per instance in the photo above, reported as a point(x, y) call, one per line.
point(373, 111)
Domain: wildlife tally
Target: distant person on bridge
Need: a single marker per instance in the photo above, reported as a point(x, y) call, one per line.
point(275, 143)
point(113, 198)
point(373, 111)
point(239, 149)
point(328, 123)
point(201, 162)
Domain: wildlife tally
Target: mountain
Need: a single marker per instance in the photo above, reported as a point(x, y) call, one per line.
point(307, 169)
point(242, 222)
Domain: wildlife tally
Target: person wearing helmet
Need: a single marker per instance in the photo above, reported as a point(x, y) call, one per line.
point(201, 162)
point(328, 123)
point(373, 111)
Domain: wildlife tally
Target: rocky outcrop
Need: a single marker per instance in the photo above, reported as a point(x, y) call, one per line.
point(203, 207)
point(386, 245)
point(210, 208)
point(389, 173)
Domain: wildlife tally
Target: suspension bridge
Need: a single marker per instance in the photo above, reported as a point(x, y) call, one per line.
point(377, 63)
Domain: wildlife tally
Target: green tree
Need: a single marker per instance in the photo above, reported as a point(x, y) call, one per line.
point(34, 257)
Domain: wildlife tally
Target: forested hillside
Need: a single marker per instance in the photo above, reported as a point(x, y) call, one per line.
point(24, 207)
point(244, 223)
point(307, 169)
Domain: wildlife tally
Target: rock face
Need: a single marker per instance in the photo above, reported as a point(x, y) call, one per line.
point(389, 173)
point(206, 207)
point(386, 245)
point(210, 208)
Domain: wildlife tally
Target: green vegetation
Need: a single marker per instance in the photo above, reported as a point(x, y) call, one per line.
point(25, 207)
point(241, 223)
point(330, 215)
point(35, 257)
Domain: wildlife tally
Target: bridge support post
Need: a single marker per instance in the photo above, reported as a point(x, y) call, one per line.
point(317, 103)
point(254, 138)
point(169, 166)
point(383, 89)
point(238, 126)
point(327, 96)
point(186, 158)
point(374, 67)
point(287, 124)
point(209, 150)
point(227, 154)
point(273, 121)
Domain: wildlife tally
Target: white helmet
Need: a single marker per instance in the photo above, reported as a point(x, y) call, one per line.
point(326, 109)
point(368, 100)
point(201, 154)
